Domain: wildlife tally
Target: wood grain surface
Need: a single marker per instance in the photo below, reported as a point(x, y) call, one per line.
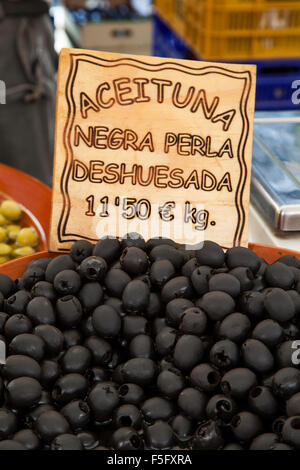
point(156, 146)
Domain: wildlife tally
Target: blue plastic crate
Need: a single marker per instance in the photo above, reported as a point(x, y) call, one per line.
point(274, 84)
point(168, 44)
point(274, 77)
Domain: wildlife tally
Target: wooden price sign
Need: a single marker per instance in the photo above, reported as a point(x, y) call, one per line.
point(156, 146)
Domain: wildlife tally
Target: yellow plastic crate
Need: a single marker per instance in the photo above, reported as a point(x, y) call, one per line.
point(165, 8)
point(236, 29)
point(173, 12)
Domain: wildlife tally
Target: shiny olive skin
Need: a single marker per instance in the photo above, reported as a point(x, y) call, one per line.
point(208, 437)
point(77, 413)
point(51, 424)
point(23, 392)
point(21, 366)
point(103, 400)
point(159, 435)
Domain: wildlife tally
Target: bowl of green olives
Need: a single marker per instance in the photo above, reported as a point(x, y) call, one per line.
point(24, 215)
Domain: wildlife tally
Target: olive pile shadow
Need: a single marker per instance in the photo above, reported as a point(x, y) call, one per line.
point(142, 345)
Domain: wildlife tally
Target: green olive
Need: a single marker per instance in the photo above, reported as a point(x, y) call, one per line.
point(11, 210)
point(13, 231)
point(22, 251)
point(27, 237)
point(3, 220)
point(3, 234)
point(5, 249)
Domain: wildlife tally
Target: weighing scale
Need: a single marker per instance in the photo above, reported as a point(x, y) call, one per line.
point(275, 186)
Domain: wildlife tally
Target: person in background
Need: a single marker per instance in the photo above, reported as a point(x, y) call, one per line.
point(28, 65)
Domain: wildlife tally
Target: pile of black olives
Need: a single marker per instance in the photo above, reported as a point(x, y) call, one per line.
point(130, 345)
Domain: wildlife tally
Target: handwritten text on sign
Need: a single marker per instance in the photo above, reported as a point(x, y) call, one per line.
point(157, 146)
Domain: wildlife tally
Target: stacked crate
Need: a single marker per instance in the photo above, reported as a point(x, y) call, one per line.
point(236, 29)
point(264, 32)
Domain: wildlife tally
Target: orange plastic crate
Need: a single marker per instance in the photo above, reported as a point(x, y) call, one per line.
point(236, 29)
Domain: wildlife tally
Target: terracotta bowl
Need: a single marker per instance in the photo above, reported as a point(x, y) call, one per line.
point(34, 198)
point(16, 268)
